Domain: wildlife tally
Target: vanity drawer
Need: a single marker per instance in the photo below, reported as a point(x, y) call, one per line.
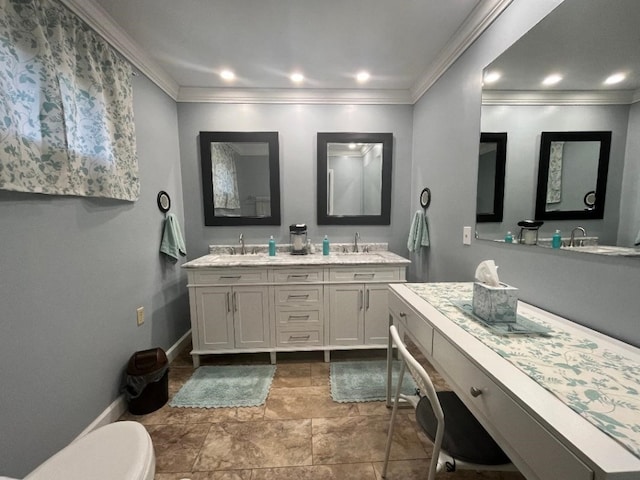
point(298, 295)
point(292, 338)
point(537, 447)
point(299, 275)
point(300, 317)
point(364, 274)
point(230, 276)
point(422, 331)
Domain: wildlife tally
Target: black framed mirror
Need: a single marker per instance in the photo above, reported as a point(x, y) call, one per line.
point(240, 178)
point(492, 161)
point(572, 167)
point(354, 178)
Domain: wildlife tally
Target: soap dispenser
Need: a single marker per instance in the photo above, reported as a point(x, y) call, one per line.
point(272, 247)
point(556, 240)
point(508, 238)
point(325, 246)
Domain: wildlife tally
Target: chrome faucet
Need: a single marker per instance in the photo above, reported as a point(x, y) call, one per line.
point(242, 249)
point(572, 240)
point(355, 242)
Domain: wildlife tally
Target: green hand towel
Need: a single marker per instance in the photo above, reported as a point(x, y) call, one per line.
point(172, 242)
point(419, 232)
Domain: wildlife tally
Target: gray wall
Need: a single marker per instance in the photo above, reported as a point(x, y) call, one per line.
point(524, 125)
point(594, 290)
point(73, 272)
point(297, 126)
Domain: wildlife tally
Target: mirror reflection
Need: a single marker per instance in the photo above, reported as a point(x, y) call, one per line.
point(584, 43)
point(491, 164)
point(572, 175)
point(240, 178)
point(354, 178)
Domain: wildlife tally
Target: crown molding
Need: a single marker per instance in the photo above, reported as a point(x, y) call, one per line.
point(559, 97)
point(294, 96)
point(100, 21)
point(482, 16)
point(475, 24)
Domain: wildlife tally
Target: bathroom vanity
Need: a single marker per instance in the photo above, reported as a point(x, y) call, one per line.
point(258, 303)
point(527, 390)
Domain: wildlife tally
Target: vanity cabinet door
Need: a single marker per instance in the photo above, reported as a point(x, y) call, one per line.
point(251, 316)
point(214, 318)
point(376, 314)
point(346, 318)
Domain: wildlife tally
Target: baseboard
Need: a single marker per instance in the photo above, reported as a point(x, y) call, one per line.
point(119, 406)
point(177, 347)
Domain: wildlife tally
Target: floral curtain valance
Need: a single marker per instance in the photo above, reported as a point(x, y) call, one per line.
point(66, 109)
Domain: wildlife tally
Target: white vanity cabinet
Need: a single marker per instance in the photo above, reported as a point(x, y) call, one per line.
point(298, 298)
point(257, 303)
point(229, 310)
point(359, 305)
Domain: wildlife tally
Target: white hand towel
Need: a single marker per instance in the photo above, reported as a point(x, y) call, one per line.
point(419, 232)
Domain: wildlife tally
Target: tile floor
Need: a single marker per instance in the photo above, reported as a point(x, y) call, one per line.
point(299, 433)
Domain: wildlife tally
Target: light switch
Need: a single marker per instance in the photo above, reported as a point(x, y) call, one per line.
point(466, 235)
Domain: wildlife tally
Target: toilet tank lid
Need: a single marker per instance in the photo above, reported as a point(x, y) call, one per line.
point(120, 450)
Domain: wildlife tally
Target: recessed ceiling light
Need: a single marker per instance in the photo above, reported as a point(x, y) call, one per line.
point(615, 78)
point(363, 76)
point(352, 146)
point(552, 79)
point(491, 77)
point(227, 75)
point(297, 77)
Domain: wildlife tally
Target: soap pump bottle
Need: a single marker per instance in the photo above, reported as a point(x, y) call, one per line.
point(556, 240)
point(325, 246)
point(272, 247)
point(508, 238)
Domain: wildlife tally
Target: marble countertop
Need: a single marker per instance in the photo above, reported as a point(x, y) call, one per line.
point(220, 257)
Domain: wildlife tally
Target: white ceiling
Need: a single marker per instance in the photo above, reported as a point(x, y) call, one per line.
point(584, 41)
point(405, 45)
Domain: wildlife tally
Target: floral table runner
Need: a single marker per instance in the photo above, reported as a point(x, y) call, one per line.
point(601, 385)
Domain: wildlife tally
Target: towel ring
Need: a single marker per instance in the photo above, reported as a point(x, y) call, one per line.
point(164, 201)
point(425, 198)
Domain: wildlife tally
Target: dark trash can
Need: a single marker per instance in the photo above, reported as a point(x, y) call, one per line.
point(147, 387)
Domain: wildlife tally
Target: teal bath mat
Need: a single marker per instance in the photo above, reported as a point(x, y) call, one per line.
point(366, 381)
point(226, 386)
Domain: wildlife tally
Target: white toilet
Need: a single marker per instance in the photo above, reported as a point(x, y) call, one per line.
point(118, 451)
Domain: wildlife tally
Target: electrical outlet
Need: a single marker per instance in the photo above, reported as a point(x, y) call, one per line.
point(466, 235)
point(140, 315)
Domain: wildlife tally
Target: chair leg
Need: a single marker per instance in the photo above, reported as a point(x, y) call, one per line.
point(392, 422)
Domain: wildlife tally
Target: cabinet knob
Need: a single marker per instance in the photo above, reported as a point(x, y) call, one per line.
point(476, 392)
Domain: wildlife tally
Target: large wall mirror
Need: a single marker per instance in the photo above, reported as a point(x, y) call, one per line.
point(588, 45)
point(240, 178)
point(354, 178)
point(572, 175)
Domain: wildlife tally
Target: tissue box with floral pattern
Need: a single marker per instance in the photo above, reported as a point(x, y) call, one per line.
point(495, 304)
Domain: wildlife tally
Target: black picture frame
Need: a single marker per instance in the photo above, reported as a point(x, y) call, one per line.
point(323, 216)
point(500, 139)
point(271, 138)
point(597, 210)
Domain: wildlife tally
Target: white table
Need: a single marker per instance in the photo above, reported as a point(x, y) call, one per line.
point(543, 436)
